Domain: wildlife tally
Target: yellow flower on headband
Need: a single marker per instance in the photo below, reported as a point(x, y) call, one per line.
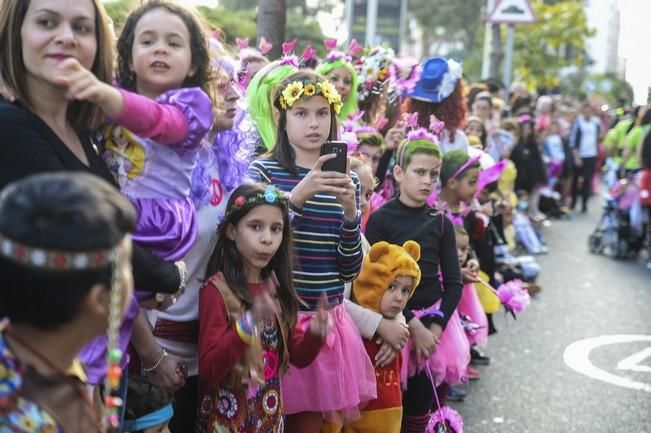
point(310, 89)
point(293, 92)
point(328, 91)
point(296, 89)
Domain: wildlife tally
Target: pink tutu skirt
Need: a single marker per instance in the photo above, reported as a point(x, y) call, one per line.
point(470, 306)
point(449, 363)
point(339, 381)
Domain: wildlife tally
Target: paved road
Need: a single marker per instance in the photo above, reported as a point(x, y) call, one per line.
point(528, 388)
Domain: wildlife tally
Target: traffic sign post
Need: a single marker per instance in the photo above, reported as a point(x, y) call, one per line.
point(510, 12)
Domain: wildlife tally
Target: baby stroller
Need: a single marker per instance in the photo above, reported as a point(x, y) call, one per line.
point(620, 232)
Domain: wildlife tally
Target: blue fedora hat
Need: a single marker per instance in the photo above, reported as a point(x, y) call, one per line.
point(437, 81)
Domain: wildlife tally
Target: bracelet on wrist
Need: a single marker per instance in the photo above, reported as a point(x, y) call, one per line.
point(162, 356)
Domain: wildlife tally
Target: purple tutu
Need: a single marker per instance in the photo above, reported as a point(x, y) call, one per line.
point(470, 306)
point(339, 381)
point(167, 227)
point(449, 363)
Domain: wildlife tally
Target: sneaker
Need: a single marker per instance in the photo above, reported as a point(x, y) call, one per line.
point(477, 357)
point(455, 393)
point(473, 373)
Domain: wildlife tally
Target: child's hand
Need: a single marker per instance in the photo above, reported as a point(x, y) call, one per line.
point(83, 85)
point(329, 182)
point(385, 355)
point(473, 265)
point(423, 339)
point(468, 276)
point(348, 200)
point(394, 136)
point(436, 330)
point(394, 333)
point(264, 307)
point(321, 323)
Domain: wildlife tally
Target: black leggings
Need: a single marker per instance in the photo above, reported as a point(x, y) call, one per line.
point(418, 398)
point(586, 171)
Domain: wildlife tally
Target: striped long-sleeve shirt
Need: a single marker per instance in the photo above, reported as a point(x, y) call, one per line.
point(328, 249)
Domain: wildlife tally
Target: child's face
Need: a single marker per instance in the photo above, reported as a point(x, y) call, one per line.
point(342, 80)
point(308, 124)
point(69, 30)
point(463, 248)
point(367, 185)
point(467, 186)
point(161, 52)
point(396, 296)
point(553, 128)
point(481, 108)
point(257, 237)
point(162, 428)
point(418, 179)
point(371, 155)
point(474, 128)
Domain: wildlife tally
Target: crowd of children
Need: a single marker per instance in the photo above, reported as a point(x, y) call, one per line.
point(310, 299)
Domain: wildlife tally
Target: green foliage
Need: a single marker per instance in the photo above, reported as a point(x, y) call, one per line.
point(234, 23)
point(540, 48)
point(608, 86)
point(460, 20)
point(119, 10)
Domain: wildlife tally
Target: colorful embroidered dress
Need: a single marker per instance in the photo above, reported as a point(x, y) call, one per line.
point(249, 408)
point(33, 403)
point(18, 414)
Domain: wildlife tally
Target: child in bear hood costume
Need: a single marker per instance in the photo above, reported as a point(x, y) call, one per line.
point(387, 280)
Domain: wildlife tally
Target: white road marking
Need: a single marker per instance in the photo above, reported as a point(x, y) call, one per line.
point(577, 357)
point(633, 362)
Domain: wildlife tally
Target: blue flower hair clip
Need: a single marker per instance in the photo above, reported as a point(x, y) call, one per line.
point(270, 195)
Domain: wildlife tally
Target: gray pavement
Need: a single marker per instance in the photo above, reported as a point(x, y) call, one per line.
point(528, 388)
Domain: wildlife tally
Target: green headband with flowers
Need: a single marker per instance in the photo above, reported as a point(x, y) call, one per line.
point(270, 195)
point(297, 89)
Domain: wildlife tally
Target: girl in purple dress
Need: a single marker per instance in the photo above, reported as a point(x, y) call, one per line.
point(159, 117)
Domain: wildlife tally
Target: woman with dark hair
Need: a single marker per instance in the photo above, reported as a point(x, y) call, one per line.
point(439, 93)
point(43, 130)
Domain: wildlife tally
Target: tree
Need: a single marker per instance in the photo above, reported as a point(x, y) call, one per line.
point(271, 20)
point(612, 89)
point(554, 41)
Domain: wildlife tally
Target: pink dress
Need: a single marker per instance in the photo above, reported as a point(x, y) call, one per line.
point(470, 306)
point(449, 363)
point(324, 385)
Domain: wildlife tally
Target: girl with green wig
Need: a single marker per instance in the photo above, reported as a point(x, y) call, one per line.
point(259, 96)
point(341, 73)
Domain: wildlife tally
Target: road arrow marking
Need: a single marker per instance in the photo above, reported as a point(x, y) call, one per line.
point(577, 357)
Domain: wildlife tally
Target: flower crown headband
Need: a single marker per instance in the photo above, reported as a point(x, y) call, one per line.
point(270, 195)
point(297, 89)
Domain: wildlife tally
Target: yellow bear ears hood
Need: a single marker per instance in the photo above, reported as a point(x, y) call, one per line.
point(382, 265)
